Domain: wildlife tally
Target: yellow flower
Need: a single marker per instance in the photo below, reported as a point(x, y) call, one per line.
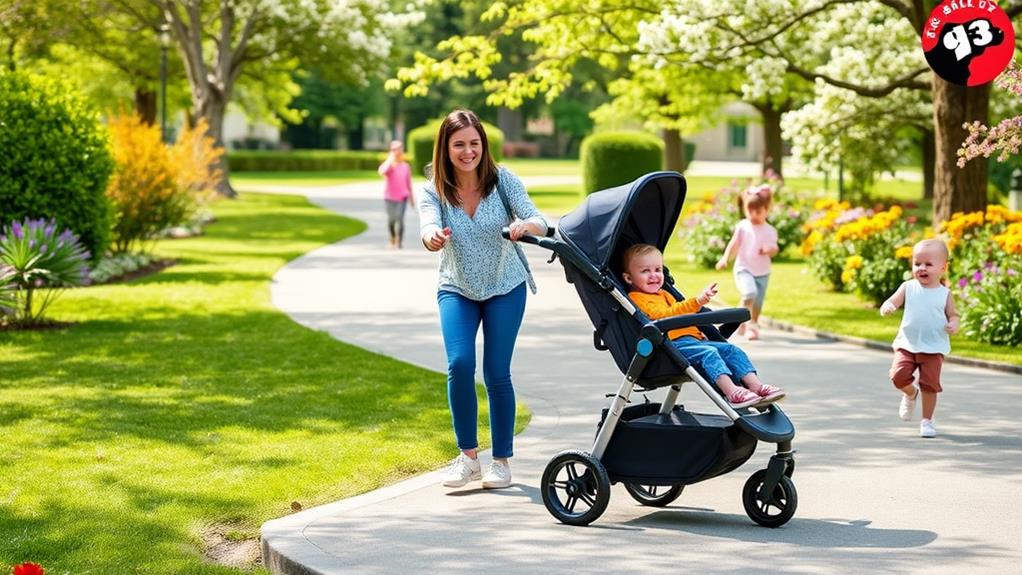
point(903, 253)
point(853, 262)
point(846, 276)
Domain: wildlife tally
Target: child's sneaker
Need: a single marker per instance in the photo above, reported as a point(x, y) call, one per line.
point(926, 428)
point(908, 406)
point(461, 471)
point(498, 475)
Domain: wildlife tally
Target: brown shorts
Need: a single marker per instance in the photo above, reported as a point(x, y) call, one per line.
point(905, 364)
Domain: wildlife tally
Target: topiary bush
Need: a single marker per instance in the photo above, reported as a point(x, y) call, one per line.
point(54, 162)
point(613, 158)
point(421, 141)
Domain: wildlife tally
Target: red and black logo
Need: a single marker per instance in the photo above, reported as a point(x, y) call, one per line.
point(968, 42)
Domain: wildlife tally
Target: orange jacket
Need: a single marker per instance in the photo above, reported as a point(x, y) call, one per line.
point(662, 304)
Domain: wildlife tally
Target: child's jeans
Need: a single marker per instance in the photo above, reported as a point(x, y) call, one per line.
point(501, 317)
point(715, 358)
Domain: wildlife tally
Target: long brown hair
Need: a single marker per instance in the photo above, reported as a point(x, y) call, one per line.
point(443, 168)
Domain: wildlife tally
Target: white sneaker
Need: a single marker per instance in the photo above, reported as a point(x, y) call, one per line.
point(497, 475)
point(462, 470)
point(926, 428)
point(908, 406)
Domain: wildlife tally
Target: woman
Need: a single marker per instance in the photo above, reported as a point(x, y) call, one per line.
point(482, 280)
point(398, 191)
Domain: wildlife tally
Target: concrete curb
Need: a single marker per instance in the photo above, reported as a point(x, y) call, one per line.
point(879, 345)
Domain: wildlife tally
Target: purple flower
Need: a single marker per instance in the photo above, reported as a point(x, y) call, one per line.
point(1012, 272)
point(978, 276)
point(49, 229)
point(43, 248)
point(16, 230)
point(963, 282)
point(989, 265)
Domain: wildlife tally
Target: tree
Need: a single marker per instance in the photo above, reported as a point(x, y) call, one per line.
point(730, 28)
point(220, 42)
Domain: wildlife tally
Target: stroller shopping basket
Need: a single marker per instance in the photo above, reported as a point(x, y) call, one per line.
point(676, 449)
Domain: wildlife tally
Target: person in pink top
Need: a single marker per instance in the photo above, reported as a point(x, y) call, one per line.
point(752, 246)
point(398, 191)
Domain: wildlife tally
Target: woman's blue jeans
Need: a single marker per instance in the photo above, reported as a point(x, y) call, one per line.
point(501, 317)
point(715, 358)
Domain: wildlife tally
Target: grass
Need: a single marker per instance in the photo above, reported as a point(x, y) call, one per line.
point(240, 180)
point(184, 400)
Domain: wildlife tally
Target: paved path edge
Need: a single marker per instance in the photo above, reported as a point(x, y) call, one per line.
point(882, 346)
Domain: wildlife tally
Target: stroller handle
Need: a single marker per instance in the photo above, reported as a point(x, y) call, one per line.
point(505, 232)
point(720, 316)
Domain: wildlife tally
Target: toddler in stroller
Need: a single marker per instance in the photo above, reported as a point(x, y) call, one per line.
point(722, 362)
point(655, 449)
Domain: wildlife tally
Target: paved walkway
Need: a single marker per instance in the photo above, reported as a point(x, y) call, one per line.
point(873, 497)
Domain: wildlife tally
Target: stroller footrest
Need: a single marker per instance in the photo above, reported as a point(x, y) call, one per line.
point(771, 426)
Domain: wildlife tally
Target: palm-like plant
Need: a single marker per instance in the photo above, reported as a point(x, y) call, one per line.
point(34, 257)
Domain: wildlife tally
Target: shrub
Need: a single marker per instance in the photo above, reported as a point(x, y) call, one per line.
point(144, 187)
point(54, 162)
point(35, 256)
point(990, 303)
point(878, 245)
point(973, 240)
point(421, 141)
point(613, 158)
point(304, 160)
point(8, 293)
point(196, 159)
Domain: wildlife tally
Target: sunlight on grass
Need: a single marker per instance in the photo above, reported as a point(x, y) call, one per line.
point(185, 399)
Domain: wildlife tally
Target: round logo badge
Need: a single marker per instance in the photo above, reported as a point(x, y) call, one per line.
point(968, 42)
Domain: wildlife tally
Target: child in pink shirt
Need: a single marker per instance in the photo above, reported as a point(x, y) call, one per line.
point(753, 245)
point(398, 191)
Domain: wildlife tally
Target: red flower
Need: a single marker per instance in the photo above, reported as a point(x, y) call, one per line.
point(29, 569)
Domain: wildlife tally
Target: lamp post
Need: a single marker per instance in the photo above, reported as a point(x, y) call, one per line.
point(164, 43)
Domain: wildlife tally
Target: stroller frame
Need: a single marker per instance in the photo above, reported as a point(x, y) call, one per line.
point(590, 474)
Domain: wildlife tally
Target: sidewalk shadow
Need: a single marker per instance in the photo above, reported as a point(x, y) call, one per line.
point(514, 490)
point(822, 533)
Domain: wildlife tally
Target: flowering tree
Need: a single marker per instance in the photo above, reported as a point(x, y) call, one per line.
point(219, 42)
point(1004, 138)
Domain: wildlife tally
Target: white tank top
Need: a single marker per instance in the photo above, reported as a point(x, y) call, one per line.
point(922, 326)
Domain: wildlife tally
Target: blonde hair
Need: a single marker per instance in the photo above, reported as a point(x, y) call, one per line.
point(932, 242)
point(636, 251)
point(756, 197)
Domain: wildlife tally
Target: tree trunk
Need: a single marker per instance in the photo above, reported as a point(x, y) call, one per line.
point(929, 160)
point(957, 189)
point(145, 105)
point(212, 108)
point(674, 151)
point(774, 147)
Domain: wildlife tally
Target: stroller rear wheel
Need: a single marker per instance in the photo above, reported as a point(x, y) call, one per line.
point(575, 487)
point(771, 510)
point(654, 495)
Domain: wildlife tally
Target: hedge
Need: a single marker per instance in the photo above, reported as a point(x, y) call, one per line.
point(303, 160)
point(420, 144)
point(613, 158)
point(54, 161)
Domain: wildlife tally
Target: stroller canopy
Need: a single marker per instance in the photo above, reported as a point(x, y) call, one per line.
point(609, 221)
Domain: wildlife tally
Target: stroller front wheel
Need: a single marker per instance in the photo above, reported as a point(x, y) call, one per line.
point(575, 487)
point(654, 495)
point(771, 510)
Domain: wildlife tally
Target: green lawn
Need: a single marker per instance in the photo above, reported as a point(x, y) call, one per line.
point(184, 402)
point(300, 179)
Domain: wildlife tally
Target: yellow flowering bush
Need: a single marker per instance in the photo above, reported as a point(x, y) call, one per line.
point(976, 238)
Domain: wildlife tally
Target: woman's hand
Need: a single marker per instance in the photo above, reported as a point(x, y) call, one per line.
point(721, 264)
point(437, 240)
point(519, 228)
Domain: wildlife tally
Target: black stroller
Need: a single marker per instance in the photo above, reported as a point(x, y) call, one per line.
point(655, 449)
